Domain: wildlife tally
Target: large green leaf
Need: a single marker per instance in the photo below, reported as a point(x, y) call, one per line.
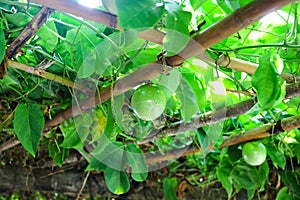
point(228, 6)
point(76, 131)
point(95, 164)
point(170, 82)
point(263, 171)
point(177, 22)
point(268, 83)
point(136, 159)
point(117, 105)
point(2, 45)
point(47, 34)
point(116, 181)
point(196, 4)
point(169, 187)
point(284, 194)
point(28, 125)
point(89, 52)
point(110, 153)
point(187, 99)
point(139, 14)
point(246, 177)
point(72, 139)
point(18, 19)
point(223, 173)
point(197, 87)
point(276, 156)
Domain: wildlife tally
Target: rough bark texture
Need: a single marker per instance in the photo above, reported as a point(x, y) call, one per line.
point(70, 182)
point(39, 19)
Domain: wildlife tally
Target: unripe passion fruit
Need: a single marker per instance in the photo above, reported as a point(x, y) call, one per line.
point(148, 102)
point(254, 153)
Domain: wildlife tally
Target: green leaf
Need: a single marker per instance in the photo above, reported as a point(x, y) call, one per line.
point(136, 159)
point(284, 194)
point(291, 179)
point(196, 4)
point(76, 131)
point(297, 152)
point(88, 66)
point(233, 4)
point(48, 39)
point(223, 173)
point(88, 52)
point(2, 45)
point(268, 83)
point(18, 19)
point(277, 156)
point(139, 14)
point(234, 154)
point(224, 6)
point(245, 176)
point(197, 87)
point(118, 103)
point(95, 164)
point(116, 181)
point(72, 138)
point(170, 82)
point(110, 153)
point(187, 99)
point(57, 153)
point(177, 23)
point(169, 187)
point(28, 125)
point(263, 171)
point(203, 140)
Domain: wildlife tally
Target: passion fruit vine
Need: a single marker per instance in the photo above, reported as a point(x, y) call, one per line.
point(254, 153)
point(148, 102)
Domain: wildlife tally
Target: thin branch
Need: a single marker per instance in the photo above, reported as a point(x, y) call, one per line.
point(240, 92)
point(173, 154)
point(83, 185)
point(213, 117)
point(266, 130)
point(277, 45)
point(249, 67)
point(39, 19)
point(45, 74)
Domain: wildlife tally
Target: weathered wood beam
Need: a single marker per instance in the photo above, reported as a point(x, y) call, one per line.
point(38, 20)
point(102, 17)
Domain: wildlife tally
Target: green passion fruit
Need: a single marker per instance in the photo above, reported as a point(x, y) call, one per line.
point(148, 102)
point(254, 153)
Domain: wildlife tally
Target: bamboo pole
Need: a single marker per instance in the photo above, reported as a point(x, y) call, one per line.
point(266, 130)
point(47, 75)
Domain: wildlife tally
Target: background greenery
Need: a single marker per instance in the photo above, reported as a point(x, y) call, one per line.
point(96, 56)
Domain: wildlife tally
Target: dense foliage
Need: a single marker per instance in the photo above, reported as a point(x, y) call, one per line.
point(99, 61)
